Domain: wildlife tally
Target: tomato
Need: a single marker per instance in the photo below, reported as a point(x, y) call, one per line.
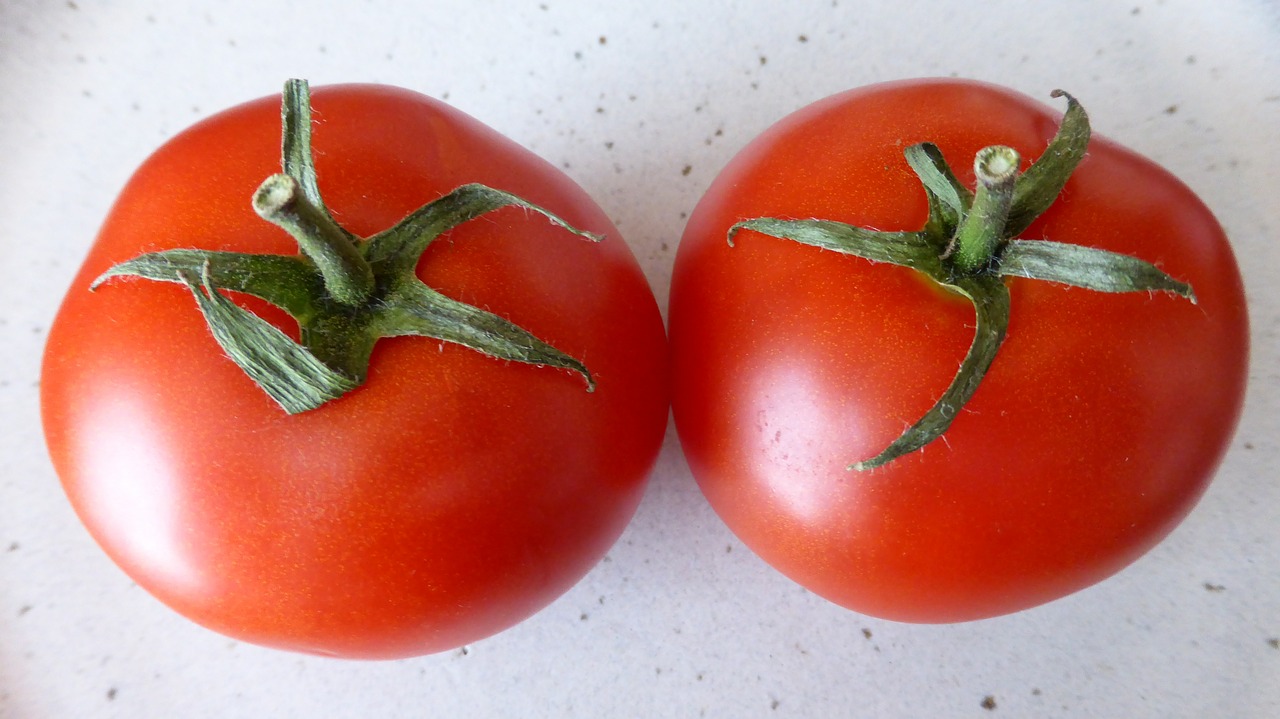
point(1092, 435)
point(447, 498)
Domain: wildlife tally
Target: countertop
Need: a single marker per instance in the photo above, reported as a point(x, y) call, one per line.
point(642, 102)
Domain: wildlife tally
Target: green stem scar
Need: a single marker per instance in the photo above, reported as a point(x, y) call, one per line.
point(346, 292)
point(969, 245)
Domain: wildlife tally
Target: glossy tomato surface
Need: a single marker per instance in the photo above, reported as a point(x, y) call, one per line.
point(451, 495)
point(1097, 429)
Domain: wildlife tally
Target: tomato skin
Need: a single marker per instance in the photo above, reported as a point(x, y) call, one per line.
point(449, 497)
point(1097, 429)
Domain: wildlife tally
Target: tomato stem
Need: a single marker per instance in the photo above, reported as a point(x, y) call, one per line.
point(345, 292)
point(980, 232)
point(970, 244)
point(347, 276)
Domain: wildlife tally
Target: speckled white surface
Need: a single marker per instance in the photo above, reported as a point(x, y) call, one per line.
point(642, 101)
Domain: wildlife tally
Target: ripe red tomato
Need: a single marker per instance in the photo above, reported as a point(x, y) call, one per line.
point(451, 495)
point(1094, 433)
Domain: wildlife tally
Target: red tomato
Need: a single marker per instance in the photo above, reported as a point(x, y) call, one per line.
point(450, 496)
point(1096, 430)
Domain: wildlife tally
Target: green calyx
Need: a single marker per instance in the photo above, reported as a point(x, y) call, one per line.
point(346, 292)
point(969, 245)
